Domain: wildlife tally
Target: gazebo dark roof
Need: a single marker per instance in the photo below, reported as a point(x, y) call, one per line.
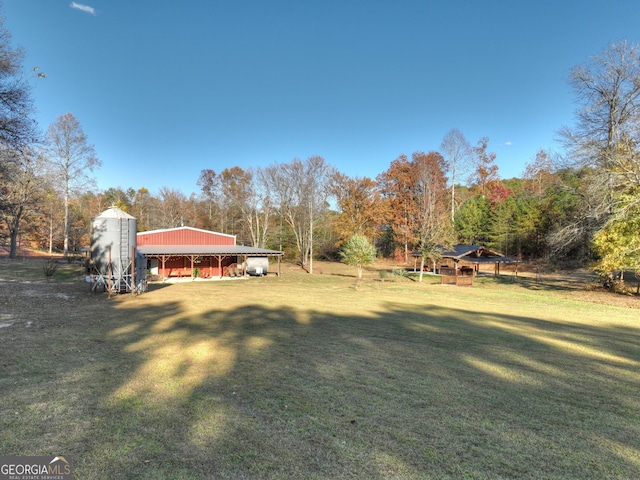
point(476, 254)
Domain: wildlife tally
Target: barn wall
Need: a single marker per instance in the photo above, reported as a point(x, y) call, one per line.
point(184, 236)
point(181, 267)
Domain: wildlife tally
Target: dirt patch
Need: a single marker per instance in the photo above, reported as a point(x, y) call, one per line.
point(30, 304)
point(24, 253)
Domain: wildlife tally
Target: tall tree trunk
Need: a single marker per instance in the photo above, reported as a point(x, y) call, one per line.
point(51, 232)
point(65, 252)
point(13, 249)
point(311, 242)
point(453, 192)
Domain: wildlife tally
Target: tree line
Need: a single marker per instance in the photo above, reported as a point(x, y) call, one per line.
point(581, 205)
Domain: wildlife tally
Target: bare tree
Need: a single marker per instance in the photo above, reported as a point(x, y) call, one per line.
point(69, 159)
point(539, 173)
point(246, 200)
point(605, 139)
point(209, 183)
point(608, 92)
point(485, 170)
point(173, 208)
point(259, 211)
point(17, 128)
point(456, 150)
point(433, 225)
point(17, 132)
point(142, 208)
point(234, 186)
point(20, 190)
point(52, 208)
point(300, 191)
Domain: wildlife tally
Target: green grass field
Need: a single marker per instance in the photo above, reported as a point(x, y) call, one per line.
point(321, 377)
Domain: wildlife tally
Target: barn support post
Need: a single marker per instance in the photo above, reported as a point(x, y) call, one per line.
point(133, 270)
point(109, 274)
point(220, 265)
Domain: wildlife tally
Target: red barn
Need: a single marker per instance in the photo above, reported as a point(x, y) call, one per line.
point(177, 252)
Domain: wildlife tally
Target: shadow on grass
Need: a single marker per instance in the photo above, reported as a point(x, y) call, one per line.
point(539, 284)
point(140, 391)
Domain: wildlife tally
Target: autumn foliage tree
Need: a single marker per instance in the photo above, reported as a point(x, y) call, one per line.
point(416, 192)
point(618, 243)
point(396, 187)
point(361, 209)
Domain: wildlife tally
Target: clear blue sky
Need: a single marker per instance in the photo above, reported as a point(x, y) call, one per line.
point(164, 89)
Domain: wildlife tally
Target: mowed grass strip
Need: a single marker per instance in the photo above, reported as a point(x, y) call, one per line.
point(321, 376)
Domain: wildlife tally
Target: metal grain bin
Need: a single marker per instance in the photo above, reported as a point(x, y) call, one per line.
point(113, 235)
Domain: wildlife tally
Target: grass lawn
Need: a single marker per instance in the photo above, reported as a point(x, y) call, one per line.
point(319, 376)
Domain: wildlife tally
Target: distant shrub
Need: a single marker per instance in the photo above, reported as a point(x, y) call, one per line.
point(399, 272)
point(49, 268)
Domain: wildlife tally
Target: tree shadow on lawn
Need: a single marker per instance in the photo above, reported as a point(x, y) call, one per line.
point(274, 393)
point(537, 284)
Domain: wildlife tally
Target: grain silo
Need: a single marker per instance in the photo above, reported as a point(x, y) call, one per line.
point(113, 243)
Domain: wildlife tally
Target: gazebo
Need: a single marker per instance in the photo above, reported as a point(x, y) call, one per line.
point(461, 263)
point(464, 257)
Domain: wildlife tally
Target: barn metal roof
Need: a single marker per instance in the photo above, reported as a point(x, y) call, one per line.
point(175, 229)
point(206, 250)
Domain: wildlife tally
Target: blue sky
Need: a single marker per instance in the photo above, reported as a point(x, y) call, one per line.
point(164, 89)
